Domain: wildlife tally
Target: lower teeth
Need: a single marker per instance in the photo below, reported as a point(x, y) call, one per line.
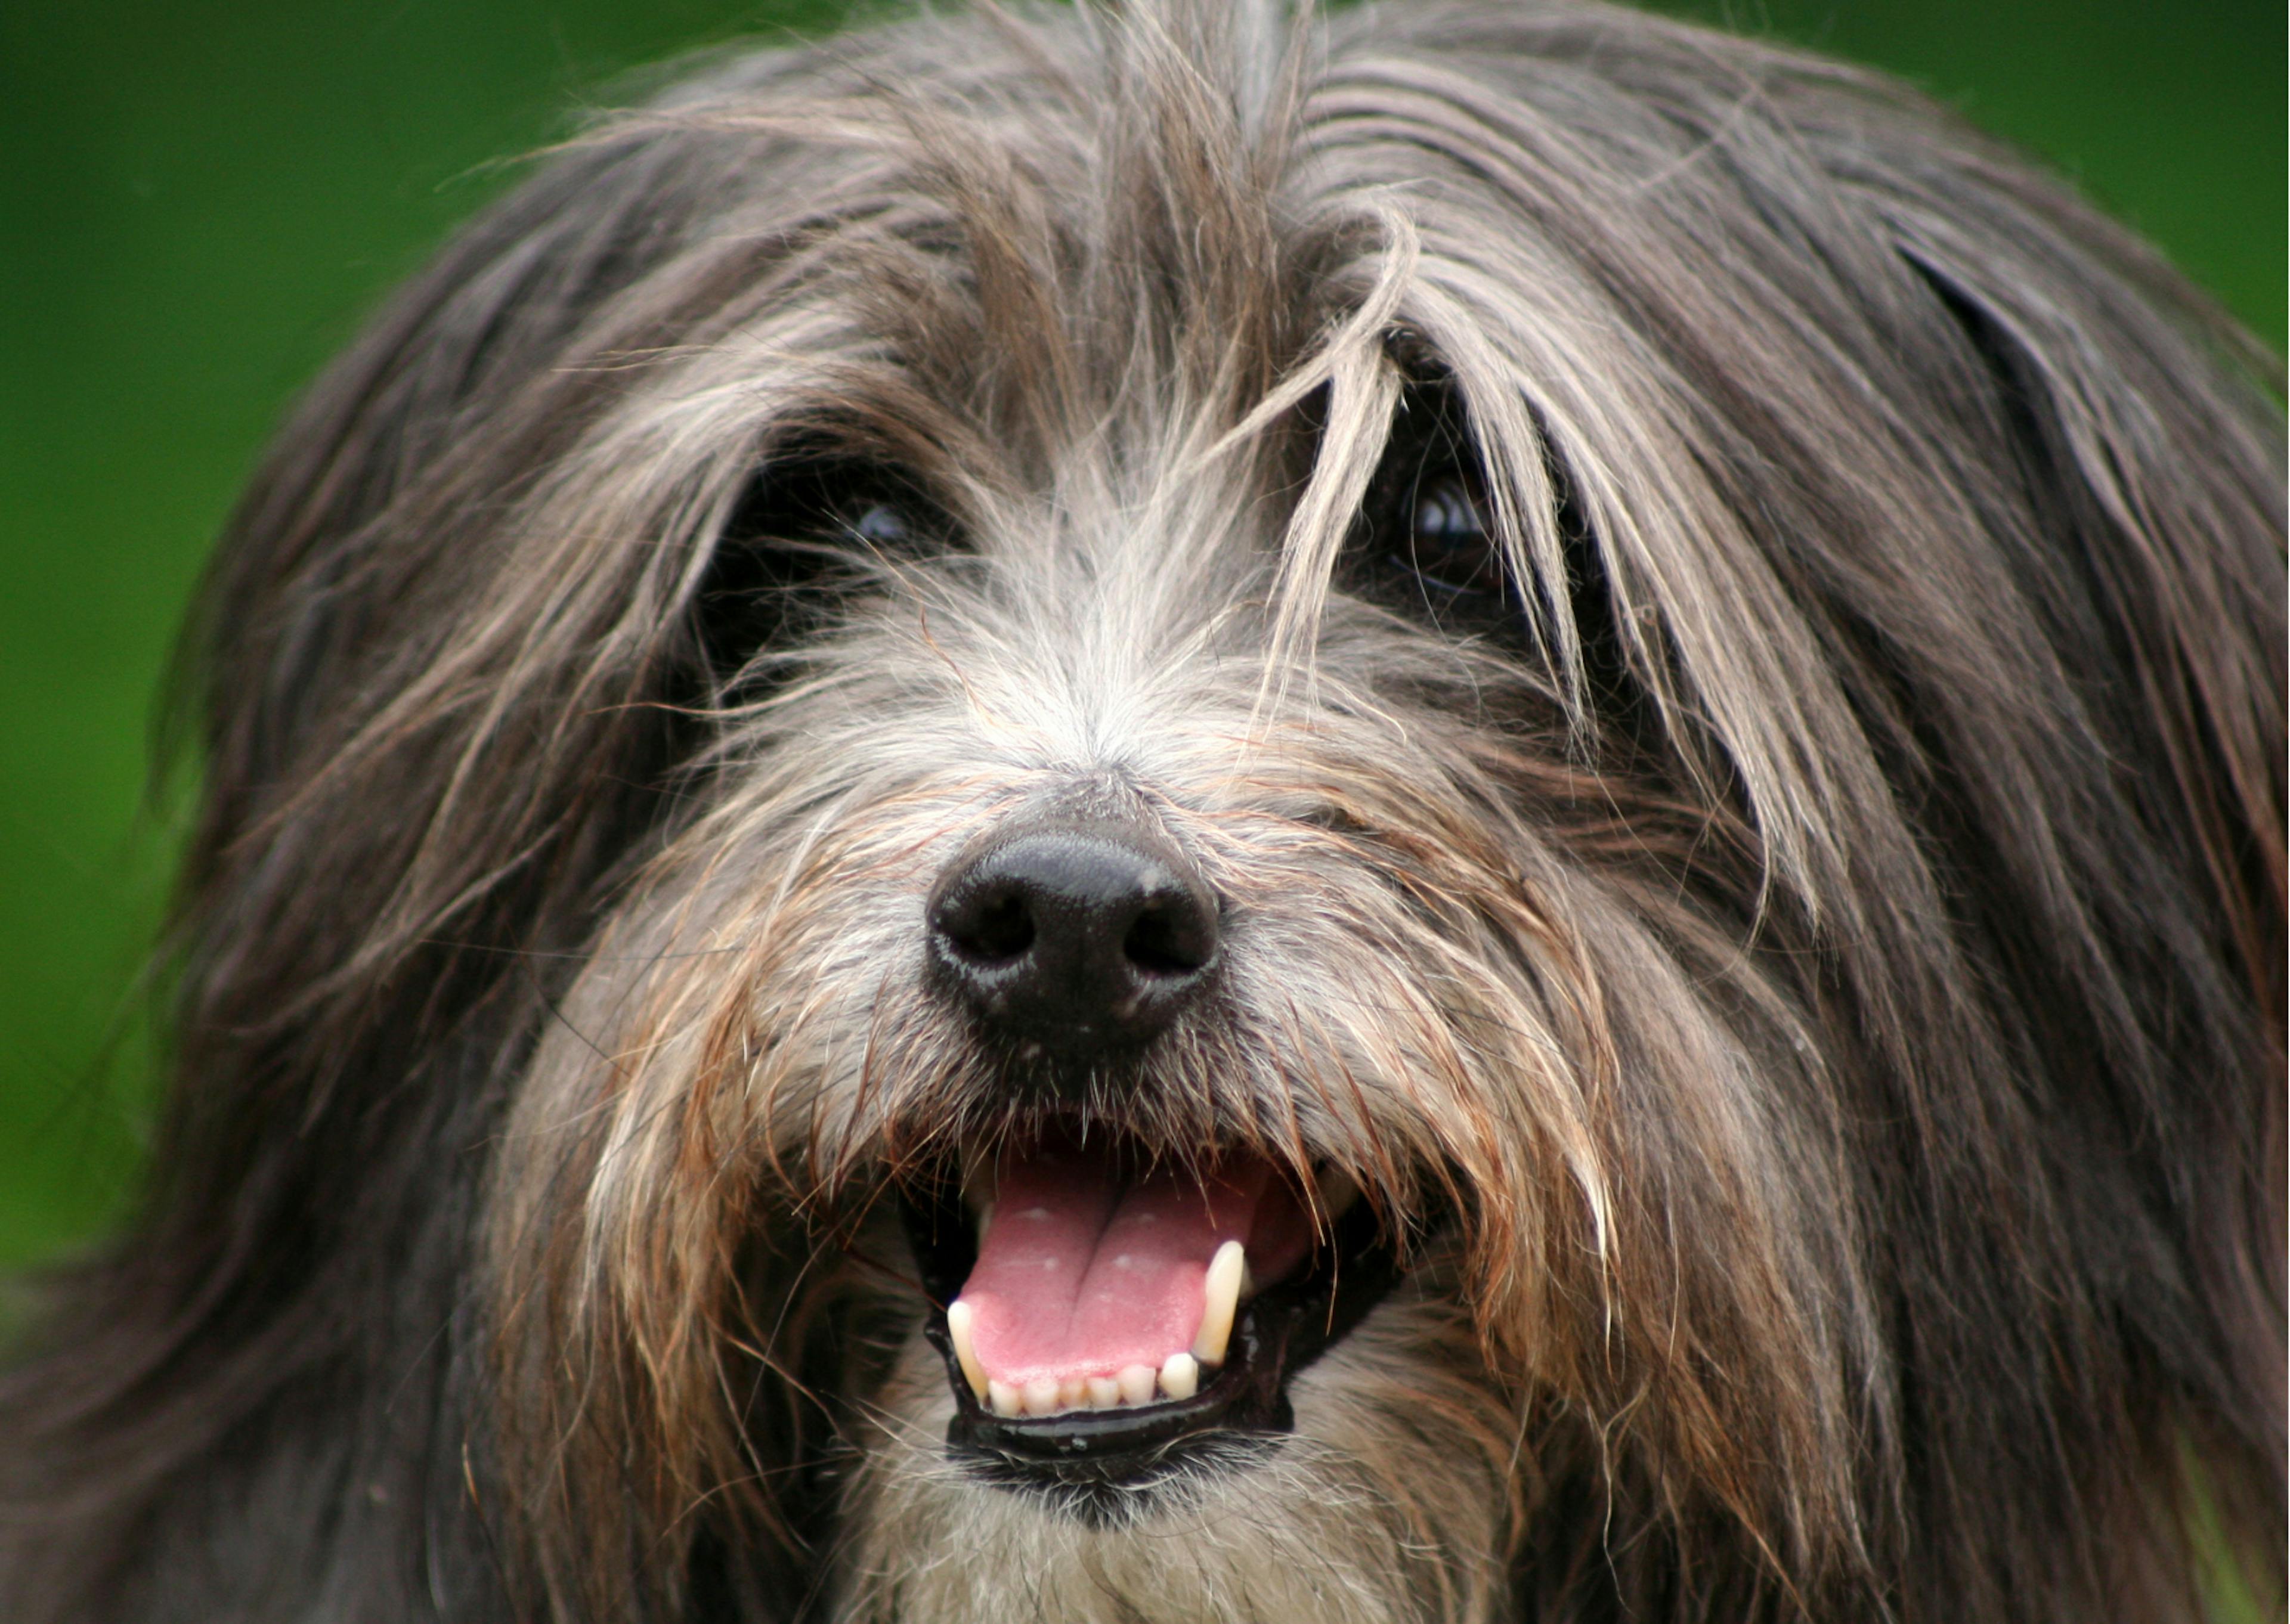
point(1137, 1384)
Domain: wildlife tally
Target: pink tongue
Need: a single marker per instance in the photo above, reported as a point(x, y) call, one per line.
point(1082, 1272)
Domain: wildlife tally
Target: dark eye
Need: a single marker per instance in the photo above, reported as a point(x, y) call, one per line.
point(810, 530)
point(1450, 546)
point(883, 523)
point(1425, 543)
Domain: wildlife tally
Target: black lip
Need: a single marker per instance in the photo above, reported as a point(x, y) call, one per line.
point(1093, 1462)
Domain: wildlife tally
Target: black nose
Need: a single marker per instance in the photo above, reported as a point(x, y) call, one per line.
point(1079, 939)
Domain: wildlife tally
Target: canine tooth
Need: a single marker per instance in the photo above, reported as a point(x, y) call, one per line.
point(1220, 1291)
point(1042, 1395)
point(1136, 1383)
point(1005, 1399)
point(1181, 1376)
point(958, 1315)
point(1104, 1392)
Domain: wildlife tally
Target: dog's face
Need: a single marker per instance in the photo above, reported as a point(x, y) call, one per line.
point(1167, 818)
point(1187, 999)
point(1143, 951)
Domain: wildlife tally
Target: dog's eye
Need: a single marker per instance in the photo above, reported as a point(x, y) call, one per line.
point(837, 512)
point(885, 524)
point(1450, 546)
point(808, 531)
point(1425, 543)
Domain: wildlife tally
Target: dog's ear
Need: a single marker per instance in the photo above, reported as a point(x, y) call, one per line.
point(337, 614)
point(325, 898)
point(2134, 410)
point(2155, 491)
point(322, 1101)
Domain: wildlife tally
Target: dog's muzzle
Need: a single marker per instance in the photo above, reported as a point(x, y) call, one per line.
point(1107, 1306)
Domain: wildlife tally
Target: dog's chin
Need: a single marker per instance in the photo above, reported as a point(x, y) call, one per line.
point(1379, 1497)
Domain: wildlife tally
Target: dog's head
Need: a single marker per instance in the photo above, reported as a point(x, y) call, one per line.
point(1164, 817)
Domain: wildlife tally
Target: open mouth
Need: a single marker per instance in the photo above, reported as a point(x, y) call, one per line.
point(1104, 1315)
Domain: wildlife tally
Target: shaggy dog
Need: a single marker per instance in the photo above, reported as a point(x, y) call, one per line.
point(1450, 814)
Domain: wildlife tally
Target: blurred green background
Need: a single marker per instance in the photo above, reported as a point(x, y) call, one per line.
point(197, 201)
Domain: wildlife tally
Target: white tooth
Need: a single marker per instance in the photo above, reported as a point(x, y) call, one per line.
point(957, 1332)
point(1105, 1391)
point(1073, 1393)
point(1180, 1377)
point(1005, 1399)
point(1136, 1383)
point(1227, 1278)
point(1042, 1395)
point(984, 1217)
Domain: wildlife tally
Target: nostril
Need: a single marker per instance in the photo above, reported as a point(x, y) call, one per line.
point(1002, 928)
point(994, 929)
point(1169, 939)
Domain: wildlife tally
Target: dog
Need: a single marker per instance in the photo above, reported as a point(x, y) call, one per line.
point(1182, 812)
